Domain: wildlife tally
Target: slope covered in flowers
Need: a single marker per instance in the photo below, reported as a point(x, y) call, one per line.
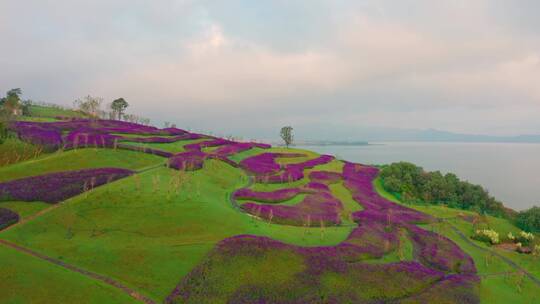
point(201, 219)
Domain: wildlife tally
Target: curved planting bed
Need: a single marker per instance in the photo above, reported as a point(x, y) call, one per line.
point(56, 187)
point(252, 269)
point(318, 208)
point(7, 218)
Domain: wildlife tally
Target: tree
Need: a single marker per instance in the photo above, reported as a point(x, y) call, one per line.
point(529, 220)
point(287, 135)
point(12, 102)
point(119, 106)
point(89, 105)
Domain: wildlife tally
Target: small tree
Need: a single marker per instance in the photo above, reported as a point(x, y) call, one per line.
point(12, 102)
point(89, 105)
point(119, 106)
point(287, 135)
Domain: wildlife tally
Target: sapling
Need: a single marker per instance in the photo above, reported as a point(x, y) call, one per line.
point(322, 229)
point(270, 216)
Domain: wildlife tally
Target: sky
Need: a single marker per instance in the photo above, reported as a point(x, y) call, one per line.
point(246, 68)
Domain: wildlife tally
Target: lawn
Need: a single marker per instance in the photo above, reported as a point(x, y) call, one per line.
point(26, 279)
point(150, 239)
point(80, 159)
point(25, 209)
point(174, 147)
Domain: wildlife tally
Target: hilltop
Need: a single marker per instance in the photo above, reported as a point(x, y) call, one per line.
point(117, 212)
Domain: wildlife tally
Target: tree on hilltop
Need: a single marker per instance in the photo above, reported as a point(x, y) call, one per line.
point(287, 135)
point(12, 102)
point(89, 105)
point(119, 106)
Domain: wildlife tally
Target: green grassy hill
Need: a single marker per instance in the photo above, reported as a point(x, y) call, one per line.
point(150, 230)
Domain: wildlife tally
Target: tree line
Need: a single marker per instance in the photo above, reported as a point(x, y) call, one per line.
point(414, 185)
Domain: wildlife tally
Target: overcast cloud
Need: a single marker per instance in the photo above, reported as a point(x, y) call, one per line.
point(246, 67)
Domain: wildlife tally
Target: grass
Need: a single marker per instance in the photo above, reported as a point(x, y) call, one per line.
point(493, 289)
point(25, 209)
point(238, 157)
point(80, 159)
point(14, 151)
point(26, 279)
point(151, 239)
point(45, 111)
point(174, 147)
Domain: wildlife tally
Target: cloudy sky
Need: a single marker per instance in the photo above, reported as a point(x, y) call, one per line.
point(246, 67)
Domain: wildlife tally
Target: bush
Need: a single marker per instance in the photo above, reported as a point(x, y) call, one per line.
point(487, 236)
point(529, 220)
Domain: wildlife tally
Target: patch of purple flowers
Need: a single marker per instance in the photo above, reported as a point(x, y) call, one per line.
point(56, 187)
point(324, 277)
point(7, 218)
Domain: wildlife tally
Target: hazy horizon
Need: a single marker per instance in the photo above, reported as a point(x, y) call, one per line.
point(247, 68)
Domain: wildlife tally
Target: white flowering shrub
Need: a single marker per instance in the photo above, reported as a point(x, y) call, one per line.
point(487, 235)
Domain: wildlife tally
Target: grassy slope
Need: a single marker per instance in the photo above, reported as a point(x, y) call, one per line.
point(25, 209)
point(494, 289)
point(150, 239)
point(175, 147)
point(51, 112)
point(26, 279)
point(80, 159)
point(14, 150)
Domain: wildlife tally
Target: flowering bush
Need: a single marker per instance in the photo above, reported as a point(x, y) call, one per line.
point(56, 187)
point(525, 238)
point(486, 235)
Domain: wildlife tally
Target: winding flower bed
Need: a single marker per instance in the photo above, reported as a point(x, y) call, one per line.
point(7, 218)
point(294, 172)
point(188, 161)
point(265, 163)
point(261, 270)
point(56, 187)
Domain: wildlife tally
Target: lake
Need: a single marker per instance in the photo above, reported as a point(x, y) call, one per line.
point(509, 171)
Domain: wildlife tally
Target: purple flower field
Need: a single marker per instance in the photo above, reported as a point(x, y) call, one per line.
point(7, 218)
point(440, 264)
point(56, 187)
point(316, 281)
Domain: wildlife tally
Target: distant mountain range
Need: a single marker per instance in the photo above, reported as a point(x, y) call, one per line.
point(335, 135)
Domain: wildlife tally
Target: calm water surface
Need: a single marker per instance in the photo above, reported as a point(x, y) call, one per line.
point(510, 172)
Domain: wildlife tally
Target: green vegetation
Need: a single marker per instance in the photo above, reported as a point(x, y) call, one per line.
point(80, 159)
point(38, 111)
point(500, 282)
point(174, 147)
point(413, 185)
point(25, 209)
point(529, 220)
point(14, 150)
point(103, 229)
point(26, 279)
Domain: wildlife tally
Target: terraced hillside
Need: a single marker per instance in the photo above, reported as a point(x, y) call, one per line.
point(118, 213)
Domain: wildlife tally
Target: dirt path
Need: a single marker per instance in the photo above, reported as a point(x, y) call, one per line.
point(505, 259)
point(109, 281)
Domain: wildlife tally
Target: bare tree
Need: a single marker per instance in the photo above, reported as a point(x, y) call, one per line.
point(287, 135)
point(89, 105)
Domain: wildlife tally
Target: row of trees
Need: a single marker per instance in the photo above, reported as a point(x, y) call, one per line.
point(414, 185)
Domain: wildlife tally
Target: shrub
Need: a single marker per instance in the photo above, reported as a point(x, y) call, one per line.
point(487, 236)
point(529, 220)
